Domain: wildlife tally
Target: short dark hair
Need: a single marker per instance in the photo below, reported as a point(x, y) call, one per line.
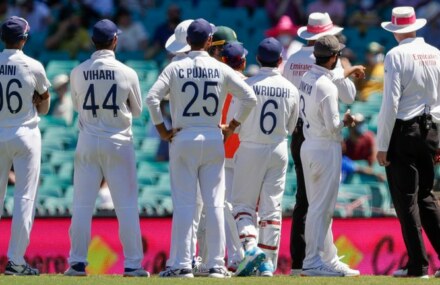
point(197, 45)
point(322, 60)
point(13, 43)
point(105, 45)
point(268, 64)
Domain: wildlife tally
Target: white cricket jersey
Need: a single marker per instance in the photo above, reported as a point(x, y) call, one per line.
point(106, 94)
point(319, 105)
point(198, 85)
point(301, 62)
point(276, 113)
point(412, 82)
point(20, 76)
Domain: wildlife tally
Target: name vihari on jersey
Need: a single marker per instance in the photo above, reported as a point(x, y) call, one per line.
point(99, 74)
point(271, 91)
point(199, 72)
point(7, 69)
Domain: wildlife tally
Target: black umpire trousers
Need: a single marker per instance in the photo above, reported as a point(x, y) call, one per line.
point(411, 177)
point(297, 240)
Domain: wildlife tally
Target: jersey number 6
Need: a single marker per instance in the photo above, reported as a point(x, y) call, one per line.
point(9, 95)
point(111, 95)
point(206, 96)
point(265, 114)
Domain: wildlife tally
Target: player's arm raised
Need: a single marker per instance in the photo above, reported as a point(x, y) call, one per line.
point(346, 88)
point(157, 92)
point(330, 111)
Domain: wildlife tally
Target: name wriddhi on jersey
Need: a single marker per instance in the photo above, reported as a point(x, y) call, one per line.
point(99, 74)
point(199, 72)
point(271, 91)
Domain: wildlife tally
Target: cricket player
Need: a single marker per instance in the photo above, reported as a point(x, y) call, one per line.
point(106, 94)
point(222, 36)
point(234, 55)
point(198, 85)
point(24, 95)
point(321, 157)
point(261, 162)
point(319, 24)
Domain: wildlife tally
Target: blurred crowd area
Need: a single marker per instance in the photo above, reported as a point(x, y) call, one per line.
point(64, 25)
point(60, 39)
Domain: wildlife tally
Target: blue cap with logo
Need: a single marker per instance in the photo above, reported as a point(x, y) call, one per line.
point(269, 50)
point(233, 53)
point(14, 29)
point(199, 31)
point(104, 31)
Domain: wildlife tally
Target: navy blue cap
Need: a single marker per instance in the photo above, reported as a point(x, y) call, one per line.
point(233, 53)
point(14, 29)
point(269, 50)
point(199, 31)
point(104, 31)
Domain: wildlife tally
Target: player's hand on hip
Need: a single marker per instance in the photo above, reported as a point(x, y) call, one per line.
point(37, 98)
point(165, 134)
point(226, 131)
point(169, 135)
point(382, 158)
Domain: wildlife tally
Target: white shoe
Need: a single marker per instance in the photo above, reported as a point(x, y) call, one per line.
point(403, 272)
point(219, 272)
point(176, 273)
point(295, 272)
point(344, 268)
point(139, 272)
point(323, 270)
point(200, 269)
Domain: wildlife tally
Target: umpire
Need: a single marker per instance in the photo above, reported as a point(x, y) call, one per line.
point(407, 138)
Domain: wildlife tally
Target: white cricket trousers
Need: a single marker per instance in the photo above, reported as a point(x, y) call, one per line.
point(97, 158)
point(197, 157)
point(260, 178)
point(24, 153)
point(233, 243)
point(321, 161)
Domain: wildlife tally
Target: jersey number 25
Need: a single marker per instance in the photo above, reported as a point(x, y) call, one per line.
point(206, 96)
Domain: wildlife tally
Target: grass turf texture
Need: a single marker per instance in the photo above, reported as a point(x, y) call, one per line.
point(277, 280)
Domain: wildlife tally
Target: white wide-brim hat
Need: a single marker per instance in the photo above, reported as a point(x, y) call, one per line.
point(403, 20)
point(318, 25)
point(176, 43)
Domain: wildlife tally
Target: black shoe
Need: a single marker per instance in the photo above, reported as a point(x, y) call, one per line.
point(14, 269)
point(76, 269)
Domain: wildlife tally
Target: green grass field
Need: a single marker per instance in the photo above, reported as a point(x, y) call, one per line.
point(278, 280)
